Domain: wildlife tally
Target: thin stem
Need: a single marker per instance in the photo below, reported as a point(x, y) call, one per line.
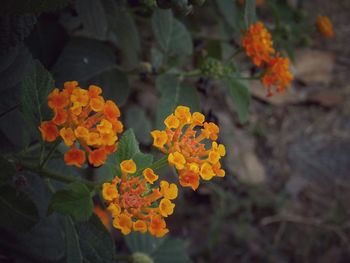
point(193, 73)
point(57, 177)
point(160, 163)
point(50, 153)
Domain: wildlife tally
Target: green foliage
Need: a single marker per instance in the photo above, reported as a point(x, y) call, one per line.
point(171, 35)
point(169, 87)
point(123, 27)
point(140, 123)
point(76, 202)
point(18, 212)
point(249, 12)
point(93, 17)
point(228, 9)
point(7, 171)
point(13, 29)
point(95, 242)
point(128, 148)
point(33, 6)
point(159, 250)
point(35, 86)
point(240, 96)
point(73, 252)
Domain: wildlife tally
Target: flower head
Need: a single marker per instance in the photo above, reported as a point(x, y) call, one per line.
point(83, 120)
point(325, 26)
point(277, 74)
point(257, 43)
point(136, 204)
point(191, 146)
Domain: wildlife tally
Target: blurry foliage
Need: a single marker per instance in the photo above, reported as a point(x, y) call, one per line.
point(103, 42)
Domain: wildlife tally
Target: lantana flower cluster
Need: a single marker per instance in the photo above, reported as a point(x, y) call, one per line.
point(258, 45)
point(87, 123)
point(191, 147)
point(136, 204)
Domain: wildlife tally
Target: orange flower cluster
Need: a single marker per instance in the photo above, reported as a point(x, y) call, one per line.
point(83, 118)
point(325, 26)
point(135, 204)
point(258, 45)
point(185, 140)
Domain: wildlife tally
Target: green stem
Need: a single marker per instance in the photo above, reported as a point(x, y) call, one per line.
point(57, 177)
point(50, 153)
point(193, 73)
point(160, 163)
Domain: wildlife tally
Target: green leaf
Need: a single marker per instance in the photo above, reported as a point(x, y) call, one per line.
point(228, 8)
point(171, 35)
point(73, 252)
point(114, 83)
point(161, 250)
point(143, 160)
point(128, 146)
point(240, 96)
point(156, 58)
point(34, 6)
point(76, 202)
point(82, 59)
point(189, 97)
point(93, 17)
point(35, 86)
point(169, 87)
point(7, 171)
point(123, 27)
point(14, 29)
point(249, 12)
point(18, 212)
point(95, 241)
point(140, 123)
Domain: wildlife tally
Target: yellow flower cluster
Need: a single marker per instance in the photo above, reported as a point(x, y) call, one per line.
point(83, 118)
point(185, 140)
point(136, 204)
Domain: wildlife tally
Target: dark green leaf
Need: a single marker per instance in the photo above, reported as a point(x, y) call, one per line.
point(33, 6)
point(93, 17)
point(128, 146)
point(7, 171)
point(76, 202)
point(249, 12)
point(241, 97)
point(35, 86)
point(95, 241)
point(114, 83)
point(228, 8)
point(13, 29)
point(140, 123)
point(83, 59)
point(18, 212)
point(122, 25)
point(73, 252)
point(143, 160)
point(189, 97)
point(161, 250)
point(171, 35)
point(169, 87)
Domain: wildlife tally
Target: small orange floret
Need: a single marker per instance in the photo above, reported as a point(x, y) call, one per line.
point(189, 178)
point(258, 43)
point(74, 157)
point(98, 157)
point(49, 131)
point(57, 99)
point(111, 110)
point(149, 175)
point(277, 74)
point(157, 226)
point(103, 215)
point(325, 26)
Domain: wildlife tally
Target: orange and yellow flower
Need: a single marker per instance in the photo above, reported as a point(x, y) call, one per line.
point(325, 26)
point(277, 74)
point(87, 123)
point(191, 146)
point(136, 204)
point(257, 43)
